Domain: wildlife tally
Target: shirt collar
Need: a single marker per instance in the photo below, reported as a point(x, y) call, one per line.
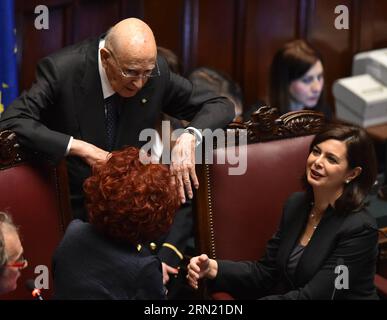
point(107, 89)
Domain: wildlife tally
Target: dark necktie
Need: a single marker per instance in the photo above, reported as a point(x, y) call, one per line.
point(111, 105)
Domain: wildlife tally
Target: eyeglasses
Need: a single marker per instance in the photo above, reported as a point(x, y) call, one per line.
point(21, 263)
point(155, 72)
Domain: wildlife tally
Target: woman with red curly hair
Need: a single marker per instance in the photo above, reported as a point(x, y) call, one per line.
point(128, 204)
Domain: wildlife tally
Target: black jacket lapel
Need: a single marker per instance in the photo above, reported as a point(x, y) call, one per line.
point(319, 246)
point(90, 109)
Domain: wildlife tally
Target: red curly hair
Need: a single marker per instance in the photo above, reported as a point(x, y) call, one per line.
point(128, 200)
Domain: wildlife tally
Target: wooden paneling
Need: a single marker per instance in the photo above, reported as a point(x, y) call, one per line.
point(166, 20)
point(34, 44)
point(30, 5)
point(69, 21)
point(238, 37)
point(334, 44)
point(216, 36)
point(268, 26)
point(379, 23)
point(88, 20)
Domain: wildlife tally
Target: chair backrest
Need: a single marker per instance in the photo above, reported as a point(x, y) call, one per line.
point(237, 214)
point(36, 194)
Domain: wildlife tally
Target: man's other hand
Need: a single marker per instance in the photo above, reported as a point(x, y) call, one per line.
point(167, 270)
point(183, 165)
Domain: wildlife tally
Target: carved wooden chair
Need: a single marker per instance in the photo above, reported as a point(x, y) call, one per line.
point(36, 194)
point(237, 214)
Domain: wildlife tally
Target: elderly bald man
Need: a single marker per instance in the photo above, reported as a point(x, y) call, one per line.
point(98, 95)
point(63, 114)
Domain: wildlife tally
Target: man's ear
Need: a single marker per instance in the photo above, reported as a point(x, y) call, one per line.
point(105, 54)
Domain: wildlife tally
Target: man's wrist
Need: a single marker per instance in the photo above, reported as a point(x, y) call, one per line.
point(196, 133)
point(213, 269)
point(69, 146)
point(77, 148)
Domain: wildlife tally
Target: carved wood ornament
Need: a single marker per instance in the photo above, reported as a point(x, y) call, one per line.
point(266, 124)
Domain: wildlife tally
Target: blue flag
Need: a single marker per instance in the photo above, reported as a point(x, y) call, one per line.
point(8, 63)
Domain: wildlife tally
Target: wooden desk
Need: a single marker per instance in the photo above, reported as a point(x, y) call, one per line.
point(378, 132)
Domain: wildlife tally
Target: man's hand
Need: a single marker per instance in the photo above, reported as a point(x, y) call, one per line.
point(167, 270)
point(183, 164)
point(91, 154)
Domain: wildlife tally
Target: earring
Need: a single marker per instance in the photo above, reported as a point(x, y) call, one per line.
point(347, 181)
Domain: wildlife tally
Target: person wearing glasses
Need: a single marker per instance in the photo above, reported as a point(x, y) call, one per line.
point(11, 254)
point(98, 95)
point(129, 203)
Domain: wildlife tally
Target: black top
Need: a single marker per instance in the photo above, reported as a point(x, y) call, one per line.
point(88, 265)
point(294, 258)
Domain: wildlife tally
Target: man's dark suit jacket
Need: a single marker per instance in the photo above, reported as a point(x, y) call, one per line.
point(67, 100)
point(350, 240)
point(88, 265)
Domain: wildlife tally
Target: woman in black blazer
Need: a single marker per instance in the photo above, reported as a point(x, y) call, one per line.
point(326, 244)
point(129, 203)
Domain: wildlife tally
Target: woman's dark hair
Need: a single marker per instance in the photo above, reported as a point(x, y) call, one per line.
point(360, 153)
point(130, 201)
point(290, 63)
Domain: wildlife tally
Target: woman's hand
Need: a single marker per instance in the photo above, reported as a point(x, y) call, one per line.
point(201, 267)
point(167, 270)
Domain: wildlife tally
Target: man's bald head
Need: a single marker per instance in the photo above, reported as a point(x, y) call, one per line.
point(132, 38)
point(130, 47)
